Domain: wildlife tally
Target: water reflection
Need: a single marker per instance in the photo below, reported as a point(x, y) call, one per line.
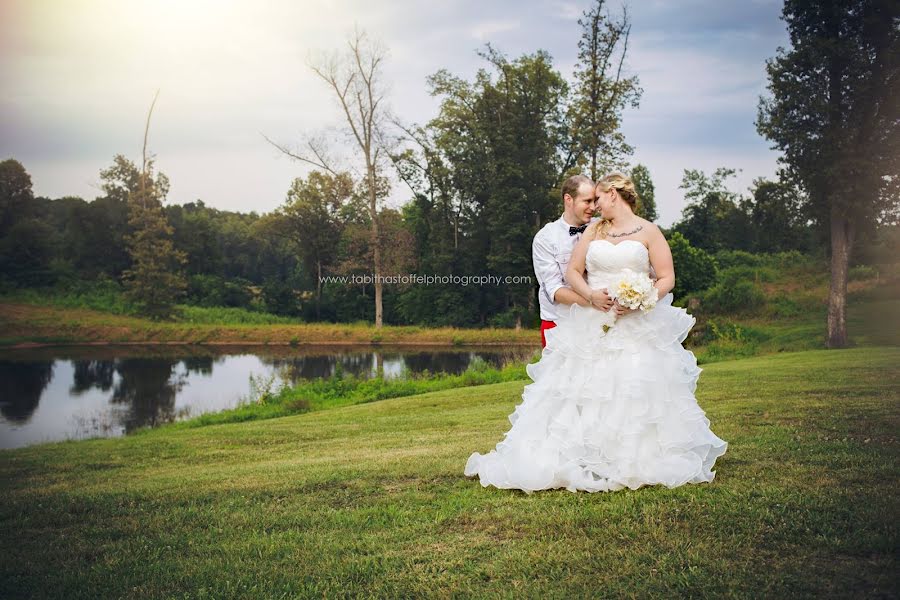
point(147, 386)
point(93, 374)
point(52, 394)
point(22, 386)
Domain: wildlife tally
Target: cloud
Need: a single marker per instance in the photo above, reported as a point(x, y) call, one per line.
point(76, 81)
point(569, 11)
point(484, 30)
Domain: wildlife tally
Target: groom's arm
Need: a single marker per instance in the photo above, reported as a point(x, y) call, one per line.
point(551, 277)
point(566, 295)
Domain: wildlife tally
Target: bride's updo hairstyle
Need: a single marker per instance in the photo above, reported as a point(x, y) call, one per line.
point(622, 184)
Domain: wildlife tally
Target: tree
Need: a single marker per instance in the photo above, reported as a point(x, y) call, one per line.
point(16, 197)
point(602, 91)
point(777, 215)
point(312, 218)
point(153, 281)
point(26, 252)
point(435, 219)
point(195, 234)
point(714, 218)
point(500, 137)
point(640, 175)
point(832, 111)
point(356, 80)
point(26, 240)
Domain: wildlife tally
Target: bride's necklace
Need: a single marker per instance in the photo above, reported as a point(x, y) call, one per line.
point(632, 232)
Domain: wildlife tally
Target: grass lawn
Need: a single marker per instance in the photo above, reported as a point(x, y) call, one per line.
point(370, 500)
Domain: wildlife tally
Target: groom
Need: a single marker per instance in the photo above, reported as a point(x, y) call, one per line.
point(553, 246)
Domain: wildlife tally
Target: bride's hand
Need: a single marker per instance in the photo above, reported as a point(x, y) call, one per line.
point(621, 310)
point(600, 299)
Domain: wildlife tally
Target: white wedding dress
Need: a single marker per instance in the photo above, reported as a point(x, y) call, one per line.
point(608, 410)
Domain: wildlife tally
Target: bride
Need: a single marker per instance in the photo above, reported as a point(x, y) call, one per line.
point(612, 400)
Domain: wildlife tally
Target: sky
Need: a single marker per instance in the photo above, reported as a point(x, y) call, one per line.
point(77, 78)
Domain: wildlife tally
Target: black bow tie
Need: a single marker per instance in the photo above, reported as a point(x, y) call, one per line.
point(574, 230)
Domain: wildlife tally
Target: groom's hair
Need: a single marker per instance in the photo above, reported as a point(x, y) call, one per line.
point(570, 186)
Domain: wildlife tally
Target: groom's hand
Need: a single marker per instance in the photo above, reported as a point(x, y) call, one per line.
point(600, 299)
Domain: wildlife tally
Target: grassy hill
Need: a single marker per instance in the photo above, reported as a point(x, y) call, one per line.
point(371, 500)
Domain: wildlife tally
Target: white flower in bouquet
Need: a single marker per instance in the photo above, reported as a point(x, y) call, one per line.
point(635, 291)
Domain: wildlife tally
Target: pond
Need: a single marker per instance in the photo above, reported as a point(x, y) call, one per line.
point(49, 394)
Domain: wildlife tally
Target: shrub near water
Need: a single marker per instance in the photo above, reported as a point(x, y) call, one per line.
point(232, 316)
point(103, 295)
point(106, 295)
point(266, 401)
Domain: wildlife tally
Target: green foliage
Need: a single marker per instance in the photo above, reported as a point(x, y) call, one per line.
point(103, 294)
point(778, 217)
point(312, 219)
point(731, 331)
point(777, 261)
point(513, 317)
point(230, 316)
point(728, 340)
point(26, 253)
point(785, 306)
point(713, 218)
point(734, 293)
point(280, 298)
point(756, 274)
point(695, 269)
point(863, 272)
point(27, 245)
point(212, 290)
point(643, 184)
point(93, 235)
point(196, 234)
point(16, 196)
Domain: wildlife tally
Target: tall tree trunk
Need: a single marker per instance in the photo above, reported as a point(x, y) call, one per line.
point(318, 290)
point(839, 222)
point(841, 242)
point(376, 246)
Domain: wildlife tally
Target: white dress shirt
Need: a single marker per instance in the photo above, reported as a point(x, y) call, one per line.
point(550, 253)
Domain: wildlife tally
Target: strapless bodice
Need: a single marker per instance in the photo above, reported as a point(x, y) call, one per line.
point(605, 260)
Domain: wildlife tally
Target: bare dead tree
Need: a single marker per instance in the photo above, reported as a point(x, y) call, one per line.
point(144, 149)
point(355, 78)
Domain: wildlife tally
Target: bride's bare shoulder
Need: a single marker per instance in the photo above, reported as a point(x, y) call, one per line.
point(649, 227)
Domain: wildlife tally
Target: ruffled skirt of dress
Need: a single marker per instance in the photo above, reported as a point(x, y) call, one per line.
point(608, 410)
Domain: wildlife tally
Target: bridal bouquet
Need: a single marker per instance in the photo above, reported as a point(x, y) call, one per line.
point(635, 291)
point(632, 290)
